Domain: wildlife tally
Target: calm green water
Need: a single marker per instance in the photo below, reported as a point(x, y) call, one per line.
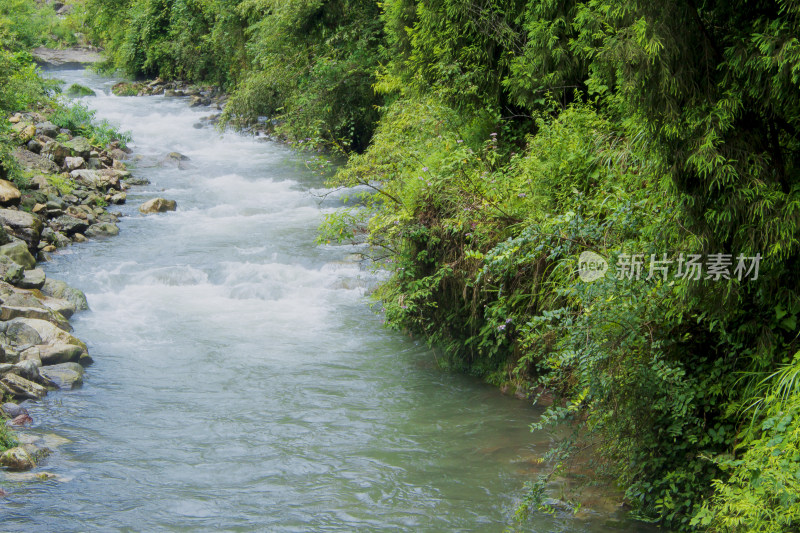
point(241, 381)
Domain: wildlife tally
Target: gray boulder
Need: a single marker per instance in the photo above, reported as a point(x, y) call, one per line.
point(10, 271)
point(47, 128)
point(69, 225)
point(65, 375)
point(103, 229)
point(35, 162)
point(32, 279)
point(56, 152)
point(31, 331)
point(59, 353)
point(19, 387)
point(18, 252)
point(74, 163)
point(80, 147)
point(58, 289)
point(23, 225)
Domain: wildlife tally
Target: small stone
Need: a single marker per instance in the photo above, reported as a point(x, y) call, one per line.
point(74, 163)
point(38, 208)
point(79, 237)
point(21, 420)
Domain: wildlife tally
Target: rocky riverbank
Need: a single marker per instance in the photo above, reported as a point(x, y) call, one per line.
point(69, 187)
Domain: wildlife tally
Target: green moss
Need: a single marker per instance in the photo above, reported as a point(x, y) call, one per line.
point(124, 88)
point(77, 91)
point(64, 185)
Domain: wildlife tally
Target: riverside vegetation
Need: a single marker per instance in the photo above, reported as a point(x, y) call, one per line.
point(491, 143)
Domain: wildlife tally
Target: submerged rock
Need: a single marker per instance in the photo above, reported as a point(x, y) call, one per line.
point(174, 159)
point(17, 458)
point(158, 205)
point(20, 420)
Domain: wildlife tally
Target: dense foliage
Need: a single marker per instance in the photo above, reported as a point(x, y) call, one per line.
point(24, 25)
point(497, 141)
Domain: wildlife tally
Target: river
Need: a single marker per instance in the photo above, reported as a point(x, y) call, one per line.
point(241, 380)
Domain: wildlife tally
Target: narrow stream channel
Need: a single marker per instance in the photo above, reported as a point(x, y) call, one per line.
point(241, 381)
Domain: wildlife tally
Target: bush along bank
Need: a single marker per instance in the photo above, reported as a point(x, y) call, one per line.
point(63, 185)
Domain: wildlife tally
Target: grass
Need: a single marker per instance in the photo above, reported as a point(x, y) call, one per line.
point(64, 186)
point(7, 438)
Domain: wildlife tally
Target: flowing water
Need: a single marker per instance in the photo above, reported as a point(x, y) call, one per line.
point(242, 383)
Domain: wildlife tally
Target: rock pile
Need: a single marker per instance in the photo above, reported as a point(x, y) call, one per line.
point(71, 183)
point(213, 96)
